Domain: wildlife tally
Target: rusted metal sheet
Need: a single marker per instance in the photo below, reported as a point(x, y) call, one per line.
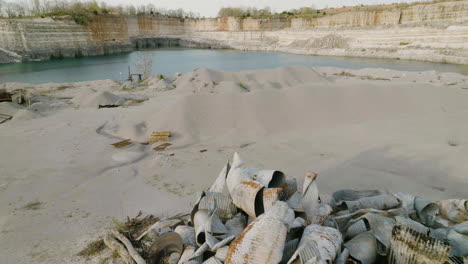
point(318, 243)
point(290, 186)
point(221, 203)
point(122, 144)
point(409, 246)
point(221, 253)
point(310, 196)
point(455, 210)
point(248, 196)
point(323, 212)
point(162, 147)
point(271, 196)
point(263, 240)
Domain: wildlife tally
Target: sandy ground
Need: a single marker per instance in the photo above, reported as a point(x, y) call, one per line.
point(61, 183)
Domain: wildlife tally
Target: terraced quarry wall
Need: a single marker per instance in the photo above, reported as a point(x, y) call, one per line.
point(430, 32)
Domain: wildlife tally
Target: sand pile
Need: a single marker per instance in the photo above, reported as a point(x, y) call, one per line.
point(258, 216)
point(94, 98)
point(8, 108)
point(18, 112)
point(210, 81)
point(257, 108)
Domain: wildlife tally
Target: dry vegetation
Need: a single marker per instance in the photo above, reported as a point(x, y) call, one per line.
point(84, 11)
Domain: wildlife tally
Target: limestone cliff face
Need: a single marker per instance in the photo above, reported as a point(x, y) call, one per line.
point(432, 32)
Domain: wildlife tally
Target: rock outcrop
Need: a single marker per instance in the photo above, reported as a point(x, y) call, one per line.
point(429, 32)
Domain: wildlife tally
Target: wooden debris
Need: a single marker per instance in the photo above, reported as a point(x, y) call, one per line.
point(114, 245)
point(203, 150)
point(122, 144)
point(4, 118)
point(162, 146)
point(172, 154)
point(160, 136)
point(131, 250)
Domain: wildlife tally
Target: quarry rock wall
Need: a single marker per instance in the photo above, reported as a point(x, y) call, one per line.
point(431, 32)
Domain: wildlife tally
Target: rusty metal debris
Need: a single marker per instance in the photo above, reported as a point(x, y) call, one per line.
point(409, 246)
point(256, 216)
point(162, 146)
point(122, 144)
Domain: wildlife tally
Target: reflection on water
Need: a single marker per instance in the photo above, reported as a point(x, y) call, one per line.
point(170, 61)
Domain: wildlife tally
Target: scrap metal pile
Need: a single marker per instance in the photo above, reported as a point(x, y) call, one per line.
point(254, 215)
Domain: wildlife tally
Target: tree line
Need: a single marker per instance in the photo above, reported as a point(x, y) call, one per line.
point(81, 11)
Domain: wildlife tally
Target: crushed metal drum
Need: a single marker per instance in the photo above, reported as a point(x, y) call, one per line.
point(165, 245)
point(248, 196)
point(339, 197)
point(221, 203)
point(263, 240)
point(409, 246)
point(454, 210)
point(243, 219)
point(310, 200)
point(318, 243)
point(363, 248)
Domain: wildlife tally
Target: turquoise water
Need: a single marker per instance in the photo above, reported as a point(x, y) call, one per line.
point(170, 61)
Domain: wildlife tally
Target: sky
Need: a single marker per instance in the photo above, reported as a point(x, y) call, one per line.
point(209, 8)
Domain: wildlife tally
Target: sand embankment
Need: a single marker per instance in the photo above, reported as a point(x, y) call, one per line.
point(61, 182)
